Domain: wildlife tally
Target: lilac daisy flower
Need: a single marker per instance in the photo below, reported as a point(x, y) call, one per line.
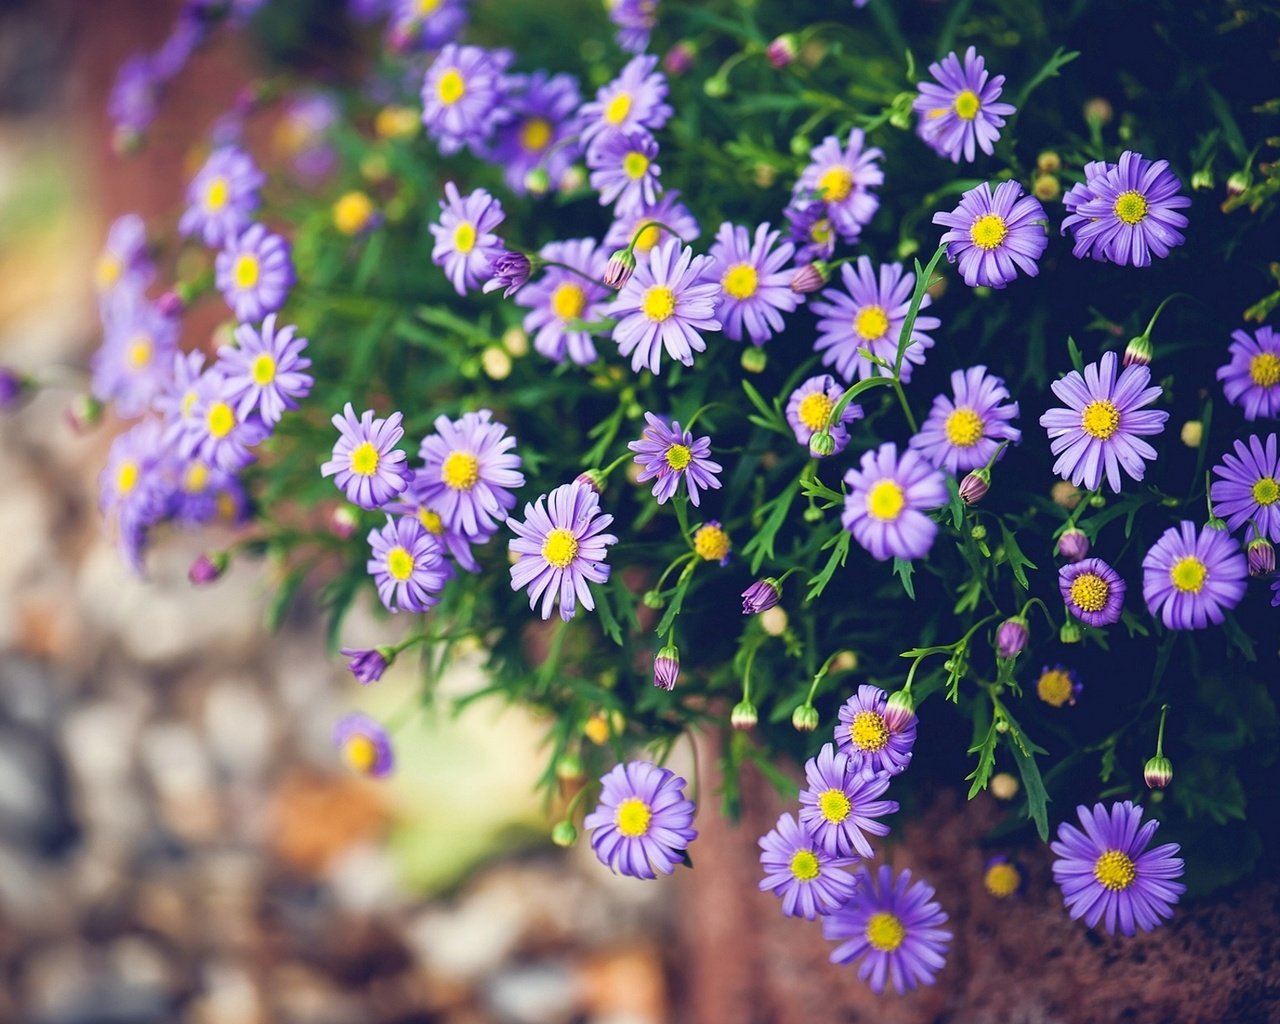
point(1249, 487)
point(664, 305)
point(884, 509)
point(124, 257)
point(1108, 875)
point(754, 288)
point(1252, 379)
point(205, 493)
point(995, 234)
point(842, 178)
point(873, 743)
point(963, 432)
point(304, 133)
point(635, 20)
point(960, 115)
point(368, 467)
point(800, 872)
point(1075, 197)
point(264, 370)
point(1131, 212)
point(894, 928)
point(222, 197)
point(364, 745)
point(560, 298)
point(189, 385)
point(254, 272)
point(841, 806)
point(133, 495)
point(427, 24)
point(134, 98)
point(561, 548)
point(415, 503)
point(643, 823)
point(469, 473)
point(810, 407)
point(667, 210)
point(623, 171)
point(217, 434)
point(407, 565)
point(463, 96)
point(1102, 426)
point(465, 243)
point(538, 134)
point(133, 366)
point(869, 314)
point(1191, 580)
point(1092, 591)
point(670, 455)
point(633, 101)
point(811, 230)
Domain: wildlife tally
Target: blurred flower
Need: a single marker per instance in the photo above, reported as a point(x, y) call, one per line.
point(367, 665)
point(623, 170)
point(255, 273)
point(466, 245)
point(538, 138)
point(668, 210)
point(207, 567)
point(1058, 685)
point(1073, 545)
point(560, 299)
point(643, 823)
point(635, 20)
point(1001, 877)
point(133, 366)
point(222, 197)
point(632, 101)
point(711, 543)
point(464, 97)
point(510, 273)
point(364, 745)
point(263, 370)
point(842, 177)
point(354, 213)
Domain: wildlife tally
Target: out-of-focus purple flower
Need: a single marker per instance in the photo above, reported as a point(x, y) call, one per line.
point(667, 210)
point(754, 287)
point(12, 387)
point(842, 177)
point(367, 466)
point(124, 262)
point(538, 136)
point(464, 97)
point(963, 432)
point(1058, 685)
point(810, 407)
point(679, 60)
point(635, 20)
point(222, 197)
point(781, 51)
point(133, 365)
point(466, 245)
point(303, 133)
point(811, 230)
point(367, 665)
point(364, 745)
point(623, 170)
point(1251, 380)
point(426, 24)
point(207, 567)
point(133, 492)
point(995, 234)
point(670, 455)
point(1193, 579)
point(887, 499)
point(960, 114)
point(254, 272)
point(134, 99)
point(633, 101)
point(217, 434)
point(560, 299)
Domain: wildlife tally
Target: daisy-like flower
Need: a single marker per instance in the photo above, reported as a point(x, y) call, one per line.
point(1108, 875)
point(1101, 429)
point(1190, 579)
point(427, 24)
point(133, 366)
point(415, 503)
point(671, 455)
point(465, 243)
point(133, 491)
point(124, 258)
point(841, 806)
point(963, 432)
point(633, 101)
point(561, 548)
point(1074, 198)
point(364, 745)
point(842, 178)
point(134, 99)
point(205, 493)
point(894, 929)
point(643, 823)
point(537, 136)
point(1092, 591)
point(463, 96)
point(303, 133)
point(635, 20)
point(869, 314)
point(560, 298)
point(1131, 212)
point(366, 465)
point(217, 434)
point(755, 290)
point(884, 508)
point(874, 743)
point(1249, 486)
point(711, 542)
point(1252, 379)
point(623, 170)
point(189, 384)
point(995, 234)
point(665, 304)
point(469, 473)
point(811, 230)
point(1058, 685)
point(800, 872)
point(811, 405)
point(254, 272)
point(667, 210)
point(1001, 877)
point(960, 115)
point(264, 370)
point(407, 565)
point(222, 197)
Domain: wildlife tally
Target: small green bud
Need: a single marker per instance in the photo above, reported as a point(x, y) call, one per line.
point(653, 599)
point(744, 715)
point(800, 145)
point(804, 718)
point(1157, 772)
point(821, 444)
point(564, 834)
point(1070, 632)
point(754, 359)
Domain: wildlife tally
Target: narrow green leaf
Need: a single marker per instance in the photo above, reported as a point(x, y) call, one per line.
point(903, 568)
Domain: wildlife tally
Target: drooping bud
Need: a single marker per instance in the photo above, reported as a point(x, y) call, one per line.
point(1238, 182)
point(804, 718)
point(510, 272)
point(821, 444)
point(1138, 352)
point(1098, 110)
point(563, 834)
point(569, 767)
point(974, 487)
point(368, 665)
point(170, 305)
point(1262, 557)
point(761, 596)
point(1012, 636)
point(782, 51)
point(679, 59)
point(622, 264)
point(538, 181)
point(744, 715)
point(1070, 633)
point(653, 599)
point(1202, 179)
point(1157, 772)
point(1073, 545)
point(754, 359)
point(900, 711)
point(83, 412)
point(666, 667)
point(591, 478)
point(343, 522)
point(810, 277)
point(1215, 523)
point(207, 568)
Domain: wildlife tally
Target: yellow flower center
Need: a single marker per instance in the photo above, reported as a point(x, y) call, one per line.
point(196, 478)
point(216, 195)
point(245, 270)
point(1100, 419)
point(352, 213)
point(139, 354)
point(885, 931)
point(1115, 871)
point(658, 303)
point(1266, 491)
point(835, 184)
point(364, 459)
point(1131, 207)
point(678, 456)
point(815, 410)
point(108, 271)
point(740, 281)
point(461, 471)
point(869, 731)
point(263, 369)
point(633, 817)
point(634, 165)
point(451, 87)
point(1054, 687)
point(821, 231)
point(988, 231)
point(535, 133)
point(885, 501)
point(568, 301)
point(1264, 370)
point(617, 109)
point(1002, 880)
point(647, 238)
point(964, 427)
point(400, 563)
point(426, 7)
point(127, 476)
point(967, 104)
point(804, 866)
point(431, 521)
point(361, 753)
point(1189, 574)
point(870, 323)
point(221, 419)
point(711, 543)
point(1089, 592)
point(464, 237)
point(834, 805)
point(560, 548)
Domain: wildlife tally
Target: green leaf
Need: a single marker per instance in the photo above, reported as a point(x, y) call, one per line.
point(1239, 638)
point(1073, 350)
point(986, 751)
point(1037, 796)
point(924, 276)
point(1060, 59)
point(903, 568)
point(608, 621)
point(840, 543)
point(1018, 562)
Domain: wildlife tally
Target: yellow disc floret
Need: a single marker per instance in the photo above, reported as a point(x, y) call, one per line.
point(460, 471)
point(464, 237)
point(535, 134)
point(1002, 879)
point(617, 109)
point(451, 87)
point(885, 931)
point(245, 270)
point(815, 409)
point(364, 459)
point(634, 165)
point(361, 753)
point(431, 521)
point(1189, 574)
point(869, 732)
point(658, 304)
point(1266, 491)
point(1264, 369)
point(835, 184)
point(127, 476)
point(870, 323)
point(678, 457)
point(221, 419)
point(964, 427)
point(217, 194)
point(1131, 207)
point(1089, 592)
point(633, 817)
point(988, 231)
point(568, 301)
point(804, 866)
point(1100, 419)
point(834, 805)
point(712, 543)
point(352, 213)
point(1115, 871)
point(886, 500)
point(1055, 687)
point(400, 563)
point(740, 281)
point(560, 548)
point(967, 105)
point(139, 354)
point(263, 369)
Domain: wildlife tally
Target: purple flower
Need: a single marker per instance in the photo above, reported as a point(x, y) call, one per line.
point(671, 455)
point(623, 171)
point(1012, 636)
point(13, 386)
point(754, 288)
point(666, 668)
point(465, 243)
point(368, 467)
point(539, 132)
point(873, 743)
point(206, 568)
point(761, 596)
point(643, 823)
point(364, 745)
point(133, 494)
point(254, 272)
point(464, 96)
point(664, 305)
point(427, 24)
point(884, 508)
point(842, 179)
point(561, 298)
point(711, 543)
point(124, 258)
point(667, 210)
point(1101, 428)
point(469, 473)
point(366, 665)
point(1130, 212)
point(407, 565)
point(1058, 685)
point(809, 880)
point(1073, 545)
point(994, 235)
point(1108, 875)
point(561, 548)
point(1249, 486)
point(222, 197)
point(134, 98)
point(216, 434)
point(1092, 591)
point(133, 366)
point(963, 433)
point(264, 368)
point(1191, 580)
point(870, 314)
point(633, 101)
point(510, 272)
point(810, 407)
point(812, 231)
point(961, 114)
point(841, 806)
point(1079, 194)
point(1252, 379)
point(415, 503)
point(893, 927)
point(635, 20)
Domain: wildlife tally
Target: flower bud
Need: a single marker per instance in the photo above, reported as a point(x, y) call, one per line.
point(510, 271)
point(974, 487)
point(564, 834)
point(744, 715)
point(761, 596)
point(368, 665)
point(774, 621)
point(1157, 772)
point(900, 711)
point(1046, 187)
point(1192, 433)
point(538, 181)
point(1238, 182)
point(716, 87)
point(810, 277)
point(804, 718)
point(754, 359)
point(1202, 179)
point(1004, 786)
point(622, 264)
point(1065, 494)
point(679, 59)
point(12, 387)
point(1215, 523)
point(1098, 111)
point(653, 599)
point(1261, 556)
point(1049, 162)
point(800, 145)
point(666, 668)
point(821, 444)
point(1012, 636)
point(596, 729)
point(1073, 545)
point(83, 412)
point(569, 768)
point(207, 568)
point(1138, 351)
point(170, 305)
point(782, 51)
point(591, 478)
point(343, 522)
point(1070, 633)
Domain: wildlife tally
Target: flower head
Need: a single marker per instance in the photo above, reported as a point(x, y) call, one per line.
point(1249, 486)
point(643, 823)
point(366, 465)
point(960, 114)
point(1001, 877)
point(469, 473)
point(124, 259)
point(135, 363)
point(995, 234)
point(963, 432)
point(887, 498)
point(711, 542)
point(464, 96)
point(841, 178)
point(218, 435)
point(800, 872)
point(560, 301)
point(754, 286)
point(840, 806)
point(134, 492)
point(810, 407)
point(811, 230)
point(538, 136)
point(872, 742)
point(1058, 685)
point(254, 272)
point(222, 196)
point(407, 564)
point(427, 24)
point(364, 745)
point(1092, 591)
point(264, 368)
point(510, 272)
point(1126, 211)
point(635, 20)
point(417, 502)
point(1252, 379)
point(1190, 579)
point(466, 245)
point(634, 100)
point(670, 455)
point(623, 170)
point(667, 210)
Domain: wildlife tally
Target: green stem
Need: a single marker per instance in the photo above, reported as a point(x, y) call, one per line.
point(1164, 710)
point(1159, 309)
point(644, 226)
point(694, 418)
point(906, 409)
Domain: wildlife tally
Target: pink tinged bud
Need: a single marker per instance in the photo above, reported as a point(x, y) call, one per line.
point(804, 718)
point(83, 412)
point(666, 668)
point(900, 711)
point(622, 264)
point(1157, 772)
point(810, 278)
point(782, 51)
point(974, 487)
point(343, 522)
point(1138, 352)
point(1238, 183)
point(1073, 545)
point(591, 478)
point(744, 715)
point(1262, 557)
point(510, 272)
point(761, 596)
point(1012, 636)
point(207, 568)
point(679, 59)
point(170, 305)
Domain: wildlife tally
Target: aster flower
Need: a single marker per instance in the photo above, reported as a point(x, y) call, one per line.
point(810, 406)
point(366, 465)
point(869, 314)
point(842, 178)
point(1001, 877)
point(188, 384)
point(407, 565)
point(463, 96)
point(873, 743)
point(711, 542)
point(761, 596)
point(364, 745)
point(560, 298)
point(254, 272)
point(427, 24)
point(666, 667)
point(469, 473)
point(633, 101)
point(264, 370)
point(1251, 380)
point(643, 823)
point(303, 133)
point(465, 243)
point(416, 503)
point(133, 366)
point(1191, 580)
point(893, 928)
point(222, 197)
point(1075, 197)
point(124, 258)
point(754, 288)
point(800, 872)
point(623, 170)
point(1249, 486)
point(664, 305)
point(670, 455)
point(963, 432)
point(561, 548)
point(995, 234)
point(811, 230)
point(667, 210)
point(133, 492)
point(635, 20)
point(217, 434)
point(840, 807)
point(1108, 875)
point(1092, 591)
point(366, 665)
point(884, 507)
point(538, 134)
point(1058, 685)
point(960, 114)
point(206, 493)
point(1131, 212)
point(134, 98)
point(1101, 428)
point(510, 272)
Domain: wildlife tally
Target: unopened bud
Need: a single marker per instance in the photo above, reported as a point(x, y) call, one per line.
point(622, 264)
point(900, 711)
point(170, 305)
point(1202, 179)
point(83, 412)
point(1070, 633)
point(1049, 162)
point(591, 478)
point(666, 668)
point(1215, 523)
point(800, 145)
point(974, 487)
point(1238, 182)
point(782, 51)
point(564, 834)
point(761, 596)
point(1098, 111)
point(716, 87)
point(1157, 772)
point(744, 715)
point(1261, 556)
point(1004, 786)
point(653, 599)
point(821, 444)
point(207, 568)
point(1012, 636)
point(754, 359)
point(1192, 433)
point(1073, 545)
point(343, 522)
point(537, 182)
point(1138, 352)
point(1046, 187)
point(804, 718)
point(810, 277)
point(569, 768)
point(679, 59)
